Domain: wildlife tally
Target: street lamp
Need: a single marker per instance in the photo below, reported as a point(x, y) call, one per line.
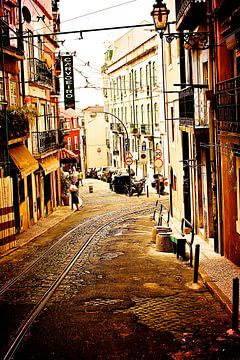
point(198, 40)
point(160, 15)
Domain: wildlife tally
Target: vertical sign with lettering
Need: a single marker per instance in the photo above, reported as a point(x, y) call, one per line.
point(69, 97)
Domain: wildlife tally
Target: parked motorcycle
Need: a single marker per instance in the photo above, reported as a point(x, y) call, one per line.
point(135, 186)
point(158, 183)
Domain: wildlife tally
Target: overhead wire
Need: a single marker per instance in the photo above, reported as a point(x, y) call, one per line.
point(94, 12)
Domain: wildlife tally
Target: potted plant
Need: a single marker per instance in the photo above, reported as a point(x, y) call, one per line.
point(65, 185)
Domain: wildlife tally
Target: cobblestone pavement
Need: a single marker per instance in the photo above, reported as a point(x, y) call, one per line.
point(124, 299)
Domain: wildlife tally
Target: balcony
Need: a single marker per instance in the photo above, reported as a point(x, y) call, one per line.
point(145, 129)
point(39, 73)
point(186, 107)
point(134, 129)
point(189, 13)
point(15, 123)
point(44, 141)
point(227, 105)
point(117, 128)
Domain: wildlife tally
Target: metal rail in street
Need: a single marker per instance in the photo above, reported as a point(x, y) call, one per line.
point(28, 321)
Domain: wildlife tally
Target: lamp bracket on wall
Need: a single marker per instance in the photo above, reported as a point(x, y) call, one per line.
point(192, 40)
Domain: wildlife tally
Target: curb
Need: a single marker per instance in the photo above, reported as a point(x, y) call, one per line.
point(215, 291)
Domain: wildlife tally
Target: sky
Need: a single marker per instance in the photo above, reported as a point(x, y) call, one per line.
point(96, 14)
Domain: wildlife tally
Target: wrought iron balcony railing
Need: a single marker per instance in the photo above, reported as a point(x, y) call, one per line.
point(43, 141)
point(228, 105)
point(189, 13)
point(145, 129)
point(39, 73)
point(186, 107)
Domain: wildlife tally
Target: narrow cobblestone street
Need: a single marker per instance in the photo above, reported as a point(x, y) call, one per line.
point(122, 299)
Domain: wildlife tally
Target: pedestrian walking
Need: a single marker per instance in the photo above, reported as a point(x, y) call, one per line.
point(74, 195)
point(80, 178)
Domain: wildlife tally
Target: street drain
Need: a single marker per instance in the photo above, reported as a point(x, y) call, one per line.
point(110, 256)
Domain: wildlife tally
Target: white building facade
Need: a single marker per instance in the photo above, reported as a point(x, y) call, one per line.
point(133, 94)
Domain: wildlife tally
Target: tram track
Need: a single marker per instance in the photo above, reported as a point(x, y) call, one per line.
point(88, 230)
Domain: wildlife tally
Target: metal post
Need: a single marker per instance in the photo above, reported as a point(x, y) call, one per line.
point(147, 192)
point(235, 302)
point(196, 263)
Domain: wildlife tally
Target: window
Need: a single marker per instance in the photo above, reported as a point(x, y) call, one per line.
point(156, 114)
point(148, 115)
point(67, 124)
point(13, 92)
point(147, 79)
point(135, 83)
point(39, 48)
point(76, 147)
point(21, 191)
point(30, 44)
point(130, 81)
point(125, 115)
point(53, 118)
point(137, 115)
point(69, 144)
point(154, 71)
point(142, 114)
point(74, 123)
point(42, 119)
point(141, 78)
point(124, 84)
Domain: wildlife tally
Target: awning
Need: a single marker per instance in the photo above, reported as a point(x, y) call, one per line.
point(23, 159)
point(49, 164)
point(68, 154)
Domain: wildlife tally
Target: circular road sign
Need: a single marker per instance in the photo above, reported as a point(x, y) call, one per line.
point(158, 163)
point(128, 161)
point(158, 154)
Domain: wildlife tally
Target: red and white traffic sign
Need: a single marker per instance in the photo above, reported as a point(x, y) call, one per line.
point(158, 163)
point(129, 155)
point(158, 154)
point(128, 161)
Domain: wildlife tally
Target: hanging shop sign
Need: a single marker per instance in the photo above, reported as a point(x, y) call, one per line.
point(68, 80)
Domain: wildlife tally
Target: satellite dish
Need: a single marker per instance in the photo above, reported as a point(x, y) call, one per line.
point(26, 14)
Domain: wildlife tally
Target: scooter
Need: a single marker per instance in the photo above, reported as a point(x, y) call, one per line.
point(136, 186)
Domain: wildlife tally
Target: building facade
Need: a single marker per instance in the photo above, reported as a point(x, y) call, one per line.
point(29, 93)
point(132, 95)
point(227, 132)
point(71, 121)
point(95, 138)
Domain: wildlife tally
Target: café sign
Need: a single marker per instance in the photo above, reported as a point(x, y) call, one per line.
point(68, 79)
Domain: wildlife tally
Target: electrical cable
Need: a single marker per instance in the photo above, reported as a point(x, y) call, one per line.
point(94, 12)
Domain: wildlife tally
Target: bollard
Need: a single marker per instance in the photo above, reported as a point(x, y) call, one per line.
point(147, 191)
point(235, 302)
point(196, 263)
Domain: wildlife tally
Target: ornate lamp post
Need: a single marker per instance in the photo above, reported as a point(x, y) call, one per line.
point(160, 15)
point(197, 40)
